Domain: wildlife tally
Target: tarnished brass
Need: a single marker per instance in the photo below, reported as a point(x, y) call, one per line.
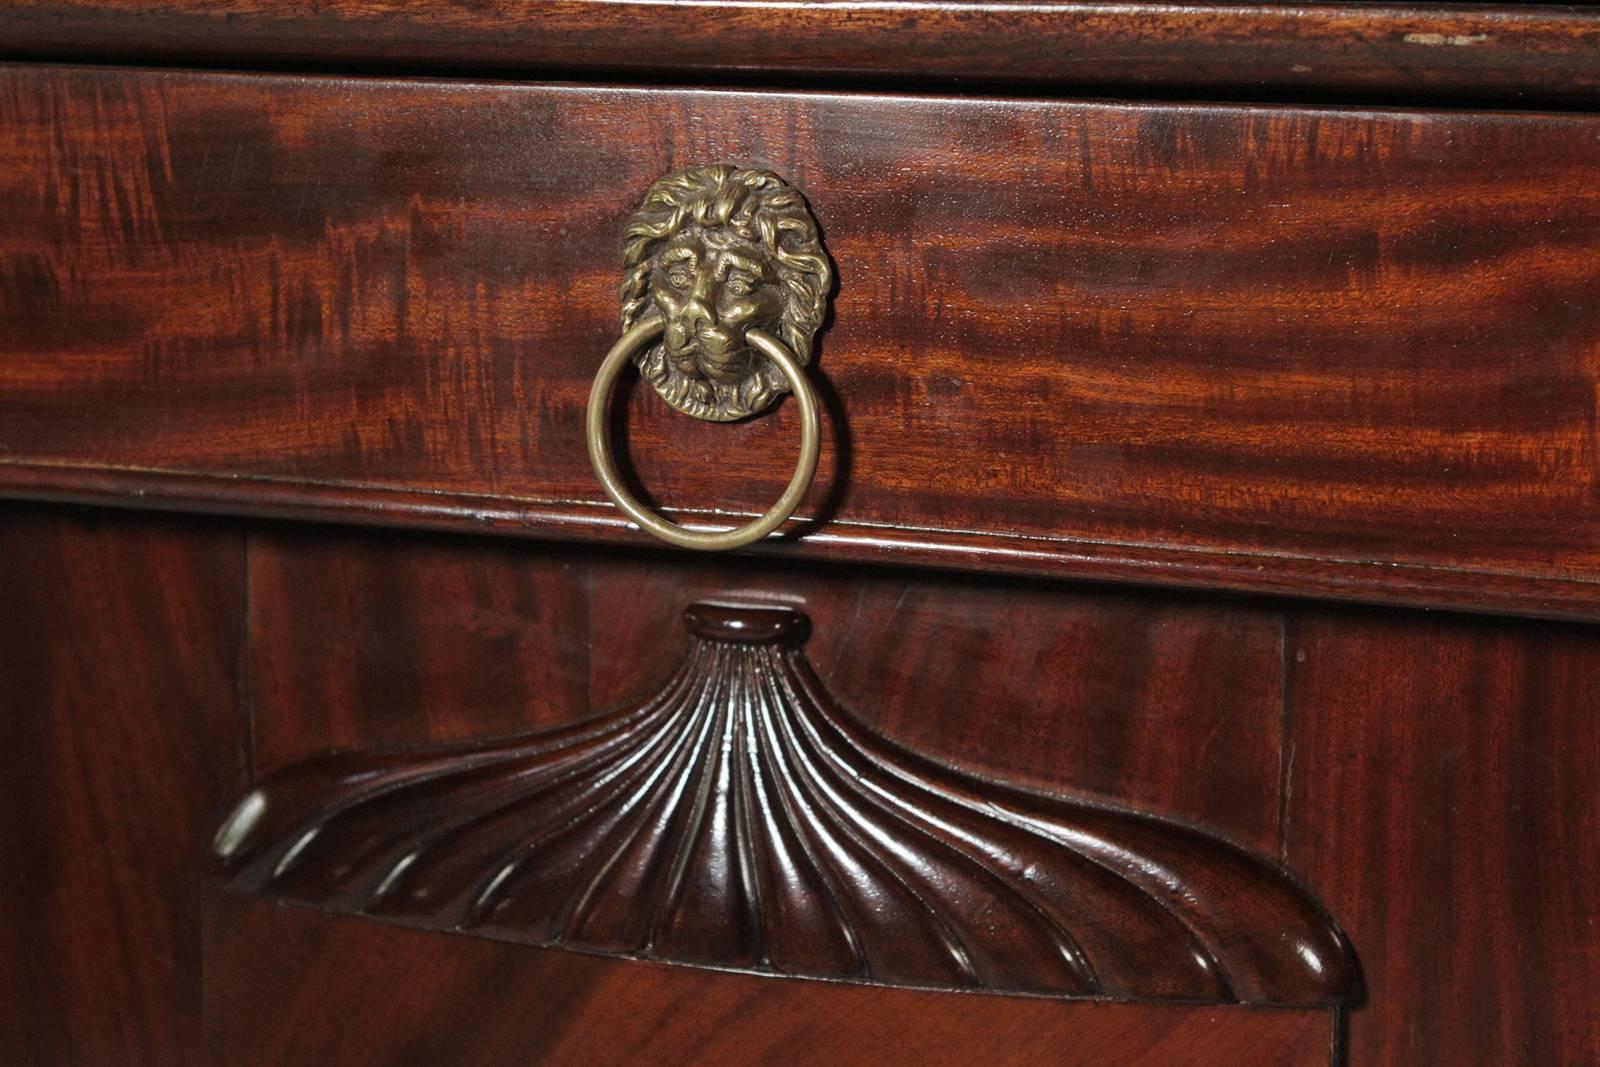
point(718, 251)
point(725, 288)
point(710, 540)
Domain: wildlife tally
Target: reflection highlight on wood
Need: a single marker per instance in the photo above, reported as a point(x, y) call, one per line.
point(739, 818)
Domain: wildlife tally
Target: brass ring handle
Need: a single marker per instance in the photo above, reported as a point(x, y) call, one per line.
point(605, 379)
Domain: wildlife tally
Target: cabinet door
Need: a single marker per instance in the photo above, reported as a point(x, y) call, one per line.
point(861, 817)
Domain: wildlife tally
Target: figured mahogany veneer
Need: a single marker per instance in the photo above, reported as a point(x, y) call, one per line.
point(1461, 759)
point(739, 818)
point(120, 738)
point(374, 640)
point(1355, 353)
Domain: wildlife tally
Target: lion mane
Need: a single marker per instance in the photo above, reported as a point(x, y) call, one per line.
point(759, 207)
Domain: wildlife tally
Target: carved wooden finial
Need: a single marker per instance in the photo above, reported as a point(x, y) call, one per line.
point(744, 625)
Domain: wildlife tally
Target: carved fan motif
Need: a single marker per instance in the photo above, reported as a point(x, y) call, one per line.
point(741, 819)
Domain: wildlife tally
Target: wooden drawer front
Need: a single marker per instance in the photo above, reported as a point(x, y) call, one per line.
point(1266, 347)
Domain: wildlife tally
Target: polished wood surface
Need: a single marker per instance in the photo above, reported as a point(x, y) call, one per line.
point(1283, 349)
point(369, 644)
point(364, 994)
point(120, 739)
point(1444, 800)
point(1498, 51)
point(1538, 595)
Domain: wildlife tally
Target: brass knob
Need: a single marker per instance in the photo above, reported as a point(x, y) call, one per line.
point(725, 286)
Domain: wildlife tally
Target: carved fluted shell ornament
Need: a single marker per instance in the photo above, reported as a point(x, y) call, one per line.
point(740, 818)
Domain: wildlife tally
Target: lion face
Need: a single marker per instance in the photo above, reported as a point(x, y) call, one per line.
point(712, 286)
point(718, 251)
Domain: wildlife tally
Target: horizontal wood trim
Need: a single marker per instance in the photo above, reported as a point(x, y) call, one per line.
point(1459, 589)
point(1286, 350)
point(1483, 51)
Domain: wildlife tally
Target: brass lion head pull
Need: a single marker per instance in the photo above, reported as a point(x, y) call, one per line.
point(718, 251)
point(726, 285)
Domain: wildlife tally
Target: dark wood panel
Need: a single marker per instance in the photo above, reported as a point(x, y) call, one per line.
point(1443, 803)
point(364, 641)
point(120, 737)
point(368, 994)
point(1498, 51)
point(1288, 339)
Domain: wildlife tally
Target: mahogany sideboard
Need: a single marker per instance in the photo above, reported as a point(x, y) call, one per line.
point(608, 532)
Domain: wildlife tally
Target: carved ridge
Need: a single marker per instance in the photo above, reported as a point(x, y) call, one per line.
point(740, 818)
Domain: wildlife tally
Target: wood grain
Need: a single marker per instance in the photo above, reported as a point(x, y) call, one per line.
point(366, 994)
point(1503, 51)
point(1443, 802)
point(1235, 346)
point(120, 737)
point(365, 640)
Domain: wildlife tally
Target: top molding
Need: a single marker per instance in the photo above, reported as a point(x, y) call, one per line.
point(1520, 54)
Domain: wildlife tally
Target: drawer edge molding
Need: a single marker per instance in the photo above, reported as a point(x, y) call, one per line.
point(739, 818)
point(1523, 52)
point(1402, 584)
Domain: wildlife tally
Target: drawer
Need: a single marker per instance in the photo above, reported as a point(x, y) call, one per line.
point(1317, 350)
